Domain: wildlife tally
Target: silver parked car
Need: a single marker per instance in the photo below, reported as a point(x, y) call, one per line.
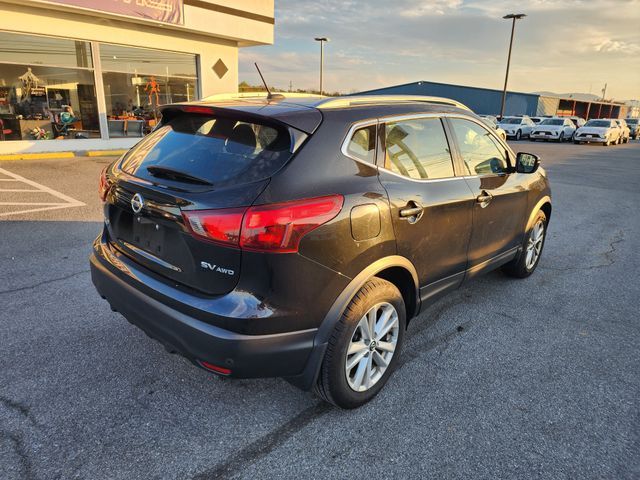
point(517, 127)
point(558, 129)
point(604, 131)
point(634, 127)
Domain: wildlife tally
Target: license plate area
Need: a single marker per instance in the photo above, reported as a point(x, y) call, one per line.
point(148, 235)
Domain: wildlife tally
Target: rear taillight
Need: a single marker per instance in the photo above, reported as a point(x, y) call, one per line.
point(104, 185)
point(274, 228)
point(280, 227)
point(221, 226)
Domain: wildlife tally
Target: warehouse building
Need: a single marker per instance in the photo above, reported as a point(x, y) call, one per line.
point(92, 74)
point(486, 101)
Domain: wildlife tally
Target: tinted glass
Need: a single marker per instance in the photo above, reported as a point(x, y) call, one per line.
point(632, 121)
point(418, 149)
point(363, 144)
point(219, 150)
point(512, 121)
point(35, 50)
point(481, 153)
point(552, 121)
point(116, 58)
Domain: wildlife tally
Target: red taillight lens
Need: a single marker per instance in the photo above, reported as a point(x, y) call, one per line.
point(103, 186)
point(280, 227)
point(275, 228)
point(216, 225)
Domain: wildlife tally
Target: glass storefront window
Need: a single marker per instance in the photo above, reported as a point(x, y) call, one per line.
point(47, 89)
point(137, 81)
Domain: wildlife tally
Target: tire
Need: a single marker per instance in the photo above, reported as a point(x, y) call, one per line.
point(561, 137)
point(334, 384)
point(607, 143)
point(577, 142)
point(518, 135)
point(522, 266)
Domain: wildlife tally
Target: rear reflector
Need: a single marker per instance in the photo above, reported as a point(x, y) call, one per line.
point(277, 227)
point(215, 368)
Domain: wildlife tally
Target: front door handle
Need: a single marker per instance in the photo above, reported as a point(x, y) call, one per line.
point(412, 212)
point(484, 198)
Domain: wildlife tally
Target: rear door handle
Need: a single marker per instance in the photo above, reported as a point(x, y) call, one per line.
point(484, 198)
point(412, 212)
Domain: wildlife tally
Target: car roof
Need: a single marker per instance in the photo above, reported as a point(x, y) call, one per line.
point(305, 112)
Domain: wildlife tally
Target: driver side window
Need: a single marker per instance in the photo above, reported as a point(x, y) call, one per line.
point(482, 154)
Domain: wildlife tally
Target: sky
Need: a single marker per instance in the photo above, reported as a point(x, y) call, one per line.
point(561, 46)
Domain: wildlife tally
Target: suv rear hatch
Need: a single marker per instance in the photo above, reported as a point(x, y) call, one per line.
point(198, 159)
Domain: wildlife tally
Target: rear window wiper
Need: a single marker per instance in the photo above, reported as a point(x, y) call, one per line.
point(177, 175)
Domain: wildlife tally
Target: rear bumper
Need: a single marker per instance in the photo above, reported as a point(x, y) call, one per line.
point(247, 356)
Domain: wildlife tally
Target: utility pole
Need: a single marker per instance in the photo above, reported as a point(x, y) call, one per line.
point(604, 92)
point(514, 17)
point(321, 40)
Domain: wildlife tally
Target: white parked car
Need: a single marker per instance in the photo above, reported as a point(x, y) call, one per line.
point(492, 122)
point(558, 129)
point(625, 131)
point(517, 127)
point(603, 131)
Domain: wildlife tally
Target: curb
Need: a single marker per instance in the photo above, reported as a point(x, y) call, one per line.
point(58, 155)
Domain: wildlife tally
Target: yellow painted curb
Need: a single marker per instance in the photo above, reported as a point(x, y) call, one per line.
point(106, 153)
point(36, 156)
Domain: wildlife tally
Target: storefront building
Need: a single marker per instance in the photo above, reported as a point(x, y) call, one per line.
point(92, 74)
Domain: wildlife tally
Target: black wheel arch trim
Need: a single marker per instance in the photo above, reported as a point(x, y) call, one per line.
point(534, 211)
point(306, 380)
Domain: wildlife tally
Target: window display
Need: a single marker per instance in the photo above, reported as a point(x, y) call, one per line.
point(40, 100)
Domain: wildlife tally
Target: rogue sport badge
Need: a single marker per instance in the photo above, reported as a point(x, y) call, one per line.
point(137, 202)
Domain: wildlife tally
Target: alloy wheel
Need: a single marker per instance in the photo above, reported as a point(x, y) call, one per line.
point(534, 245)
point(372, 346)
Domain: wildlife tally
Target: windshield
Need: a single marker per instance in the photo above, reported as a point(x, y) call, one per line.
point(632, 121)
point(511, 121)
point(598, 123)
point(552, 121)
point(213, 149)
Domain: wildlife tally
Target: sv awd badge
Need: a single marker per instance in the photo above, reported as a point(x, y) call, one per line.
point(216, 268)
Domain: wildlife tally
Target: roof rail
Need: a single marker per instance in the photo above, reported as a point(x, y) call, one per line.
point(354, 100)
point(250, 95)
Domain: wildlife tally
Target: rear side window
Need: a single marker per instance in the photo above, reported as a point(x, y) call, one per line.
point(418, 149)
point(215, 149)
point(362, 144)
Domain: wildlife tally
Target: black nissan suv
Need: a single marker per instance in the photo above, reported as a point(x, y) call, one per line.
point(298, 236)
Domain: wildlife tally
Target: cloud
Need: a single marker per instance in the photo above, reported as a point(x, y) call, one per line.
point(562, 45)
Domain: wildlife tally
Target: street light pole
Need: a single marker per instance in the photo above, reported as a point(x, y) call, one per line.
point(514, 17)
point(321, 40)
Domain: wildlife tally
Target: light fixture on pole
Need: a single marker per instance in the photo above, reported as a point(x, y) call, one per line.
point(514, 17)
point(321, 40)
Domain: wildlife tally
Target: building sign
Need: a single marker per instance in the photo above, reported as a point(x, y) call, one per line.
point(166, 11)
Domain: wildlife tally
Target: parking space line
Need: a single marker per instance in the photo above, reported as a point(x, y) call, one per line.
point(14, 190)
point(67, 202)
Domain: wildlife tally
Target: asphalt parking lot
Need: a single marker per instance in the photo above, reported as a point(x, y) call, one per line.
point(535, 378)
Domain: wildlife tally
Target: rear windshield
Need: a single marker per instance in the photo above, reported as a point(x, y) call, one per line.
point(598, 123)
point(632, 121)
point(512, 121)
point(213, 149)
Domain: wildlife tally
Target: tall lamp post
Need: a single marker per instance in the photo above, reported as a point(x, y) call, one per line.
point(321, 40)
point(514, 17)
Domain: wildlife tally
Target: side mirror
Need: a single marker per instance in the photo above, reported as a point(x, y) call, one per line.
point(527, 162)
